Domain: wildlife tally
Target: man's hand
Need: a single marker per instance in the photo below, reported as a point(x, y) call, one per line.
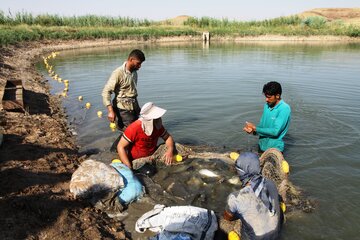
point(249, 127)
point(168, 156)
point(111, 113)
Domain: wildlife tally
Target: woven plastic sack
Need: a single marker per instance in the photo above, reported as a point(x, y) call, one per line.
point(171, 236)
point(197, 222)
point(93, 177)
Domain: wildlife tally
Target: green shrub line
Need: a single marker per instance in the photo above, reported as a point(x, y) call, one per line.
point(15, 34)
point(74, 21)
point(26, 27)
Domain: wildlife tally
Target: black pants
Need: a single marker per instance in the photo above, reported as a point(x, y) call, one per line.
point(125, 118)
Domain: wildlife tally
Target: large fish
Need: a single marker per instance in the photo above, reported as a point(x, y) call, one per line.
point(208, 173)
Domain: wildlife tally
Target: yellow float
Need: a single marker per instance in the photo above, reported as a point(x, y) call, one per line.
point(112, 126)
point(116, 160)
point(178, 158)
point(233, 236)
point(283, 207)
point(234, 155)
point(285, 166)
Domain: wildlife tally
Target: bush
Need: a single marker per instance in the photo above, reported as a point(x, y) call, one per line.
point(353, 31)
point(314, 22)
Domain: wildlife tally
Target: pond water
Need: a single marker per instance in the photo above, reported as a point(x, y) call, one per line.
point(210, 91)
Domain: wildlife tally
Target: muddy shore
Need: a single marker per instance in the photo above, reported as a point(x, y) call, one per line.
point(38, 157)
point(39, 154)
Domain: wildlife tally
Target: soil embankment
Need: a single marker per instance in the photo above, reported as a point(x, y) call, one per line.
point(346, 15)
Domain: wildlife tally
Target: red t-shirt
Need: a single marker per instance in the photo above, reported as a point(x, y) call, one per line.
point(142, 145)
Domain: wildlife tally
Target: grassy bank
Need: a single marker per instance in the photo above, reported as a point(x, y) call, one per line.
point(26, 27)
point(19, 33)
point(286, 26)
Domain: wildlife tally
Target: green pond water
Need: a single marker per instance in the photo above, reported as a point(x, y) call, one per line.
point(210, 91)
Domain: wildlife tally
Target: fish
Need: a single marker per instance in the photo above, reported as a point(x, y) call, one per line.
point(235, 180)
point(208, 173)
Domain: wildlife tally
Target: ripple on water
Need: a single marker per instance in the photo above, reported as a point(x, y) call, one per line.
point(209, 96)
point(312, 130)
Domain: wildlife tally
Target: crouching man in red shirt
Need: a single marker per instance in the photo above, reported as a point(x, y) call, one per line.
point(140, 137)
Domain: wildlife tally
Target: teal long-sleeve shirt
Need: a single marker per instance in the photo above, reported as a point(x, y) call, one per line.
point(273, 126)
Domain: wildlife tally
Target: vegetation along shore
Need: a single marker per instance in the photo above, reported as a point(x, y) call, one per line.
point(21, 27)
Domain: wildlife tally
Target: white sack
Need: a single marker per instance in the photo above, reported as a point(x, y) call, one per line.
point(200, 223)
point(92, 177)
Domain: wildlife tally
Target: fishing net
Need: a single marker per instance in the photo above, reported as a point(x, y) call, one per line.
point(158, 156)
point(270, 162)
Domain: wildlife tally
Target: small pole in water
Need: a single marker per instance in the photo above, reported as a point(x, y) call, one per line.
point(206, 40)
point(206, 37)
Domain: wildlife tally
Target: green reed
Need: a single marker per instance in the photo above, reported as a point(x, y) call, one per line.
point(286, 26)
point(21, 33)
point(27, 27)
point(74, 21)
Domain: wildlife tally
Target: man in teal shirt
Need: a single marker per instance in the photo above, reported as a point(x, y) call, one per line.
point(275, 120)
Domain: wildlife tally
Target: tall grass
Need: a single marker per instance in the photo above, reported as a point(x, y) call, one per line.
point(20, 33)
point(214, 23)
point(75, 21)
point(27, 27)
point(287, 26)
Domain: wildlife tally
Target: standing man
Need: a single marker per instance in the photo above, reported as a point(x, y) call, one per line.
point(122, 82)
point(275, 120)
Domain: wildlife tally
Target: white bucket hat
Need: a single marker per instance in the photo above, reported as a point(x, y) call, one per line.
point(148, 113)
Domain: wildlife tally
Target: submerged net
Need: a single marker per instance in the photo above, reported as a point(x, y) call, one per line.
point(270, 162)
point(161, 187)
point(293, 197)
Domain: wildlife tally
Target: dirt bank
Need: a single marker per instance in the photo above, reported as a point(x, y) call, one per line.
point(37, 158)
point(39, 154)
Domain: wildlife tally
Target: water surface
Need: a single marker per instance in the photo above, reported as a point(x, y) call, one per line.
point(210, 92)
